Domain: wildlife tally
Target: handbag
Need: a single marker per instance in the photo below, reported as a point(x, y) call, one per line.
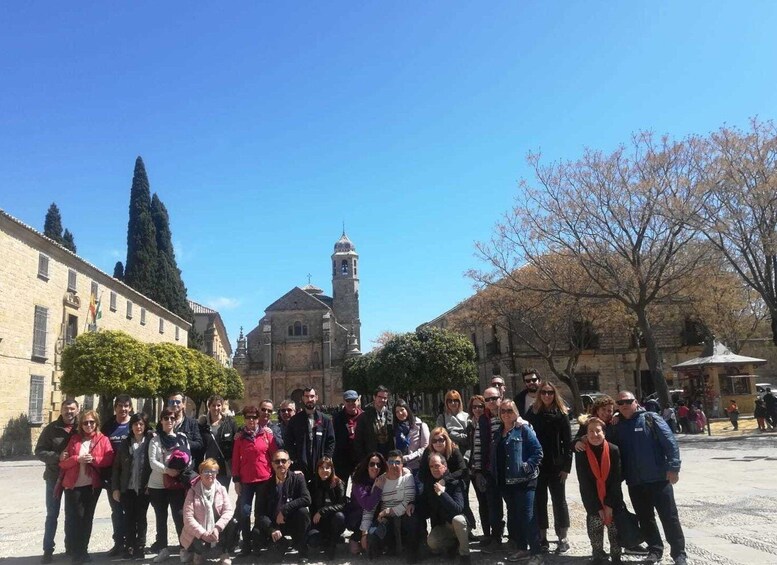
point(627, 524)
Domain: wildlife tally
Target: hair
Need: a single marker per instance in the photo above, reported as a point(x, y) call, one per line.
point(267, 401)
point(531, 371)
point(209, 463)
point(122, 399)
point(438, 456)
point(309, 389)
point(139, 417)
point(558, 404)
point(380, 388)
point(453, 395)
point(215, 398)
point(333, 478)
point(95, 416)
point(69, 401)
point(394, 453)
point(402, 403)
point(287, 402)
point(440, 431)
point(250, 409)
point(176, 393)
point(361, 474)
point(475, 398)
point(281, 451)
point(163, 413)
point(593, 420)
point(604, 400)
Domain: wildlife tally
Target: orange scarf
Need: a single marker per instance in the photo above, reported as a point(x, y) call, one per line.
point(600, 471)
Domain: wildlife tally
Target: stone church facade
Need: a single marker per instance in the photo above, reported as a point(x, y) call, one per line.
point(304, 337)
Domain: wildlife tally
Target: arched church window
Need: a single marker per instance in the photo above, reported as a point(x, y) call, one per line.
point(297, 328)
point(344, 267)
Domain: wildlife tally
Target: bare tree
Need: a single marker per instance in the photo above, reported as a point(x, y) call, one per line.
point(741, 212)
point(623, 220)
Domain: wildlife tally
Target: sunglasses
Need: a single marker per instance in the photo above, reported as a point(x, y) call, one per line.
point(395, 462)
point(168, 418)
point(439, 440)
point(174, 401)
point(453, 401)
point(266, 410)
point(478, 407)
point(375, 464)
point(547, 392)
point(280, 461)
point(210, 473)
point(284, 410)
point(534, 380)
point(492, 399)
point(88, 423)
point(624, 401)
point(251, 416)
point(507, 411)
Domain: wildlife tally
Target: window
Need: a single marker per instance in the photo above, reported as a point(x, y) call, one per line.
point(354, 267)
point(39, 333)
point(734, 385)
point(298, 329)
point(142, 316)
point(334, 268)
point(344, 266)
point(71, 280)
point(94, 289)
point(129, 310)
point(43, 267)
point(177, 333)
point(71, 330)
point(161, 326)
point(35, 409)
point(113, 301)
point(587, 380)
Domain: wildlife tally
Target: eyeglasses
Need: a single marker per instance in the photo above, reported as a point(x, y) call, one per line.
point(88, 423)
point(375, 464)
point(251, 416)
point(168, 418)
point(624, 401)
point(175, 402)
point(453, 401)
point(395, 462)
point(210, 473)
point(492, 398)
point(438, 440)
point(547, 392)
point(266, 410)
point(532, 380)
point(280, 461)
point(507, 411)
point(478, 407)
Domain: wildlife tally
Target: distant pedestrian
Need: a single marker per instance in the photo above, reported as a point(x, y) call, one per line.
point(759, 413)
point(682, 417)
point(733, 413)
point(771, 407)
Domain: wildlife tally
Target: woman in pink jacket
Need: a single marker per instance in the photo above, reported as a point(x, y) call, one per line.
point(208, 528)
point(86, 453)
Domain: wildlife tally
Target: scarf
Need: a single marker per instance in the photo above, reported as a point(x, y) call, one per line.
point(207, 497)
point(402, 436)
point(250, 435)
point(600, 471)
point(168, 441)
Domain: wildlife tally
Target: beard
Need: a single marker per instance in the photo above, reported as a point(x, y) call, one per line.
point(310, 405)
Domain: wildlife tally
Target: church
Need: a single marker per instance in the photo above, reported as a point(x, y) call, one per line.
point(304, 338)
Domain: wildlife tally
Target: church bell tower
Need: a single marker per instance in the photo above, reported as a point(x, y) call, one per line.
point(345, 285)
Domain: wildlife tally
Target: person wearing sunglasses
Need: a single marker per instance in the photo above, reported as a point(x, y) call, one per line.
point(169, 471)
point(364, 498)
point(549, 418)
point(489, 425)
point(651, 466)
point(252, 471)
point(531, 384)
point(285, 413)
point(478, 429)
point(455, 420)
point(176, 402)
point(87, 453)
point(208, 530)
point(284, 510)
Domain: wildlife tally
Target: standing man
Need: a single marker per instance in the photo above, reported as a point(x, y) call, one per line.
point(285, 414)
point(495, 503)
point(651, 465)
point(374, 431)
point(116, 429)
point(499, 384)
point(52, 442)
point(176, 402)
point(311, 436)
point(344, 423)
point(531, 383)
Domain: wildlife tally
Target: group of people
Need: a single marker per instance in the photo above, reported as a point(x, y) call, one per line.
point(380, 473)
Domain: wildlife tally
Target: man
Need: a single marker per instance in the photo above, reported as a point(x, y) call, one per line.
point(287, 411)
point(489, 425)
point(498, 383)
point(117, 429)
point(650, 458)
point(395, 512)
point(442, 501)
point(176, 402)
point(770, 401)
point(51, 443)
point(531, 383)
point(344, 423)
point(285, 508)
point(311, 436)
point(374, 431)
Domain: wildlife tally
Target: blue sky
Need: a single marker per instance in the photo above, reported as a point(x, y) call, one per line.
point(264, 126)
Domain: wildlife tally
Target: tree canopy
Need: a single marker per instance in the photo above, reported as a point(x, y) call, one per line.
point(52, 228)
point(140, 269)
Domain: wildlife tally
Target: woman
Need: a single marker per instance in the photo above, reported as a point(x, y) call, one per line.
point(208, 528)
point(328, 506)
point(364, 496)
point(518, 453)
point(442, 443)
point(218, 436)
point(128, 486)
point(455, 420)
point(411, 435)
point(603, 408)
point(478, 422)
point(87, 452)
point(170, 464)
point(548, 416)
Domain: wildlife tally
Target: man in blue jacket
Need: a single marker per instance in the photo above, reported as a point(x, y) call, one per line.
point(651, 465)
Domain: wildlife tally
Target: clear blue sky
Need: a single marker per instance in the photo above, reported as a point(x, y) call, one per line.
point(264, 126)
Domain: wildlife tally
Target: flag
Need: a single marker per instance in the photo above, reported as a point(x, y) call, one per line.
point(93, 307)
point(99, 313)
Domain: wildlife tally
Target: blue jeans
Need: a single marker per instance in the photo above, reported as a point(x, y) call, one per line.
point(247, 493)
point(117, 519)
point(521, 518)
point(52, 516)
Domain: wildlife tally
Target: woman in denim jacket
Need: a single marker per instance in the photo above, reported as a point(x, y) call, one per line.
point(517, 454)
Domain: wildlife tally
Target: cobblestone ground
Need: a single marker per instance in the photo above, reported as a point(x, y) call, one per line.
point(727, 496)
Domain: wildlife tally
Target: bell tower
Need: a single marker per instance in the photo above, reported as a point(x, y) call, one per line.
point(345, 285)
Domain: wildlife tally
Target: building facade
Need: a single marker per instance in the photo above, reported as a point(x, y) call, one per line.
point(304, 337)
point(45, 300)
point(215, 341)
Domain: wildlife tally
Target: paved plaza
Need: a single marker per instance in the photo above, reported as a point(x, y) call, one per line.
point(727, 498)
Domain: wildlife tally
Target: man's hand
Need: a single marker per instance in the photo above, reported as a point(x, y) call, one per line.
point(117, 495)
point(316, 517)
point(363, 541)
point(380, 482)
point(410, 509)
point(563, 476)
point(672, 477)
point(279, 519)
point(439, 487)
point(276, 535)
point(63, 455)
point(580, 444)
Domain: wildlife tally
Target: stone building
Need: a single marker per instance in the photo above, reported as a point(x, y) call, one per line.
point(45, 299)
point(304, 337)
point(215, 342)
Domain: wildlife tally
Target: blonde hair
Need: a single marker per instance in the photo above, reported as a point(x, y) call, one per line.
point(209, 463)
point(94, 416)
point(539, 405)
point(453, 395)
point(440, 431)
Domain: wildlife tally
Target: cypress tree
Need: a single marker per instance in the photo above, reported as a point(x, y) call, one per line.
point(52, 226)
point(68, 241)
point(141, 267)
point(118, 271)
point(170, 287)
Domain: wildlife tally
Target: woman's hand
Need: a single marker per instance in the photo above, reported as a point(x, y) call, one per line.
point(85, 458)
point(117, 495)
point(276, 535)
point(172, 472)
point(316, 517)
point(363, 541)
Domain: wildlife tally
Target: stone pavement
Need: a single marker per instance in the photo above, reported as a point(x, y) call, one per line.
point(727, 496)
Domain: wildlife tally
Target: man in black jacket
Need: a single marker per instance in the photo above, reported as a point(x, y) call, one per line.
point(442, 501)
point(51, 443)
point(311, 436)
point(531, 383)
point(374, 430)
point(285, 508)
point(344, 423)
point(176, 402)
point(117, 429)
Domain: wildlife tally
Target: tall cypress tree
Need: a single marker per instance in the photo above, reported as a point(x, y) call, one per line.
point(68, 241)
point(140, 269)
point(118, 271)
point(52, 226)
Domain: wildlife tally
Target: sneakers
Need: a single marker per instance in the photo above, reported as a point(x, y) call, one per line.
point(652, 558)
point(163, 555)
point(563, 546)
point(519, 555)
point(116, 550)
point(225, 559)
point(544, 546)
point(156, 547)
point(680, 560)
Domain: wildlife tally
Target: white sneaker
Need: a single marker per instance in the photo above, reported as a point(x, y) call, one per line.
point(163, 555)
point(186, 557)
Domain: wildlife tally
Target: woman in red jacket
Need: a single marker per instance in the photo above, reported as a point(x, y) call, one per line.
point(86, 453)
